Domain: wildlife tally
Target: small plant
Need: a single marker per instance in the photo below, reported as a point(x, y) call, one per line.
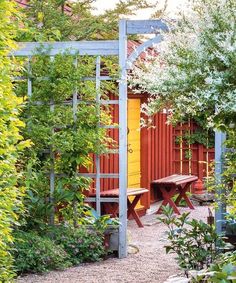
point(182, 201)
point(230, 228)
point(56, 247)
point(100, 223)
point(34, 253)
point(193, 241)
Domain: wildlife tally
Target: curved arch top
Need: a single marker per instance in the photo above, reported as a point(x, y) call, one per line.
point(156, 27)
point(141, 48)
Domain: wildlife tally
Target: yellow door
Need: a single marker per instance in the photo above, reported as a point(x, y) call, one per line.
point(134, 143)
point(134, 154)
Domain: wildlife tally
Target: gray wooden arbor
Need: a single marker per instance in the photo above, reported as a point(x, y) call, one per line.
point(113, 48)
point(98, 49)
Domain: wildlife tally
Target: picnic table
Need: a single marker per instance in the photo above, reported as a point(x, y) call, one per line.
point(171, 185)
point(112, 207)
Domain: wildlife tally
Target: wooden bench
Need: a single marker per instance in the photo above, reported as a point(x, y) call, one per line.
point(171, 185)
point(131, 203)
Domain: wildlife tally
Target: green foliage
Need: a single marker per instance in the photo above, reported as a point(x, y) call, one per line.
point(194, 77)
point(197, 79)
point(56, 247)
point(34, 253)
point(100, 223)
point(81, 244)
point(49, 20)
point(223, 270)
point(199, 136)
point(229, 184)
point(227, 187)
point(64, 134)
point(10, 140)
point(193, 241)
point(182, 201)
point(230, 224)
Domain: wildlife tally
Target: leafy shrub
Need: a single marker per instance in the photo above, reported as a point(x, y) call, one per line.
point(33, 253)
point(228, 186)
point(99, 222)
point(193, 241)
point(10, 139)
point(222, 270)
point(56, 248)
point(80, 244)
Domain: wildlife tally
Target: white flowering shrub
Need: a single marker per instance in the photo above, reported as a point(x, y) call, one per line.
point(194, 75)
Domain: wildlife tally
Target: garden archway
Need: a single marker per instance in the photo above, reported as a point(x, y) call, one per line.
point(98, 49)
point(115, 48)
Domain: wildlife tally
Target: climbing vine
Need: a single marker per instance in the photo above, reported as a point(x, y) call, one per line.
point(66, 126)
point(197, 136)
point(228, 185)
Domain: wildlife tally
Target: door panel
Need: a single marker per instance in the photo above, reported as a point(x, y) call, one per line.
point(134, 154)
point(134, 143)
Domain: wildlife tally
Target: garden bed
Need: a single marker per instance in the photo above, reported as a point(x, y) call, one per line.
point(149, 264)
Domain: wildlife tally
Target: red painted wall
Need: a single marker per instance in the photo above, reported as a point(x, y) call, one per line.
point(160, 155)
point(156, 154)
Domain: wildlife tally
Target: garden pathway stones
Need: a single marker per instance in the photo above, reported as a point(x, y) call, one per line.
point(149, 265)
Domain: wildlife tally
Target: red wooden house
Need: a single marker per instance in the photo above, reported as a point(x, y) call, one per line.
point(152, 153)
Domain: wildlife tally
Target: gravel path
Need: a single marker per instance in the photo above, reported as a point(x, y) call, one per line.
point(149, 265)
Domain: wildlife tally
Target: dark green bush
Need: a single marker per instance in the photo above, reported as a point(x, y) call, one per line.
point(81, 244)
point(33, 253)
point(56, 248)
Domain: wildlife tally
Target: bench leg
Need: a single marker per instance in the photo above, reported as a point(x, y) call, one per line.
point(131, 210)
point(182, 194)
point(167, 200)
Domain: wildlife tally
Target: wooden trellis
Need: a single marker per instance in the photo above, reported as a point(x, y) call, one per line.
point(98, 49)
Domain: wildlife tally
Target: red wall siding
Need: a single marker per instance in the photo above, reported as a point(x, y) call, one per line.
point(201, 157)
point(160, 155)
point(109, 163)
point(156, 153)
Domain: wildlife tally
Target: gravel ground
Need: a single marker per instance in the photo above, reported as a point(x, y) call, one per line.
point(149, 265)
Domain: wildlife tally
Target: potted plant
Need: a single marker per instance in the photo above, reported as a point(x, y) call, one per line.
point(230, 228)
point(106, 225)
